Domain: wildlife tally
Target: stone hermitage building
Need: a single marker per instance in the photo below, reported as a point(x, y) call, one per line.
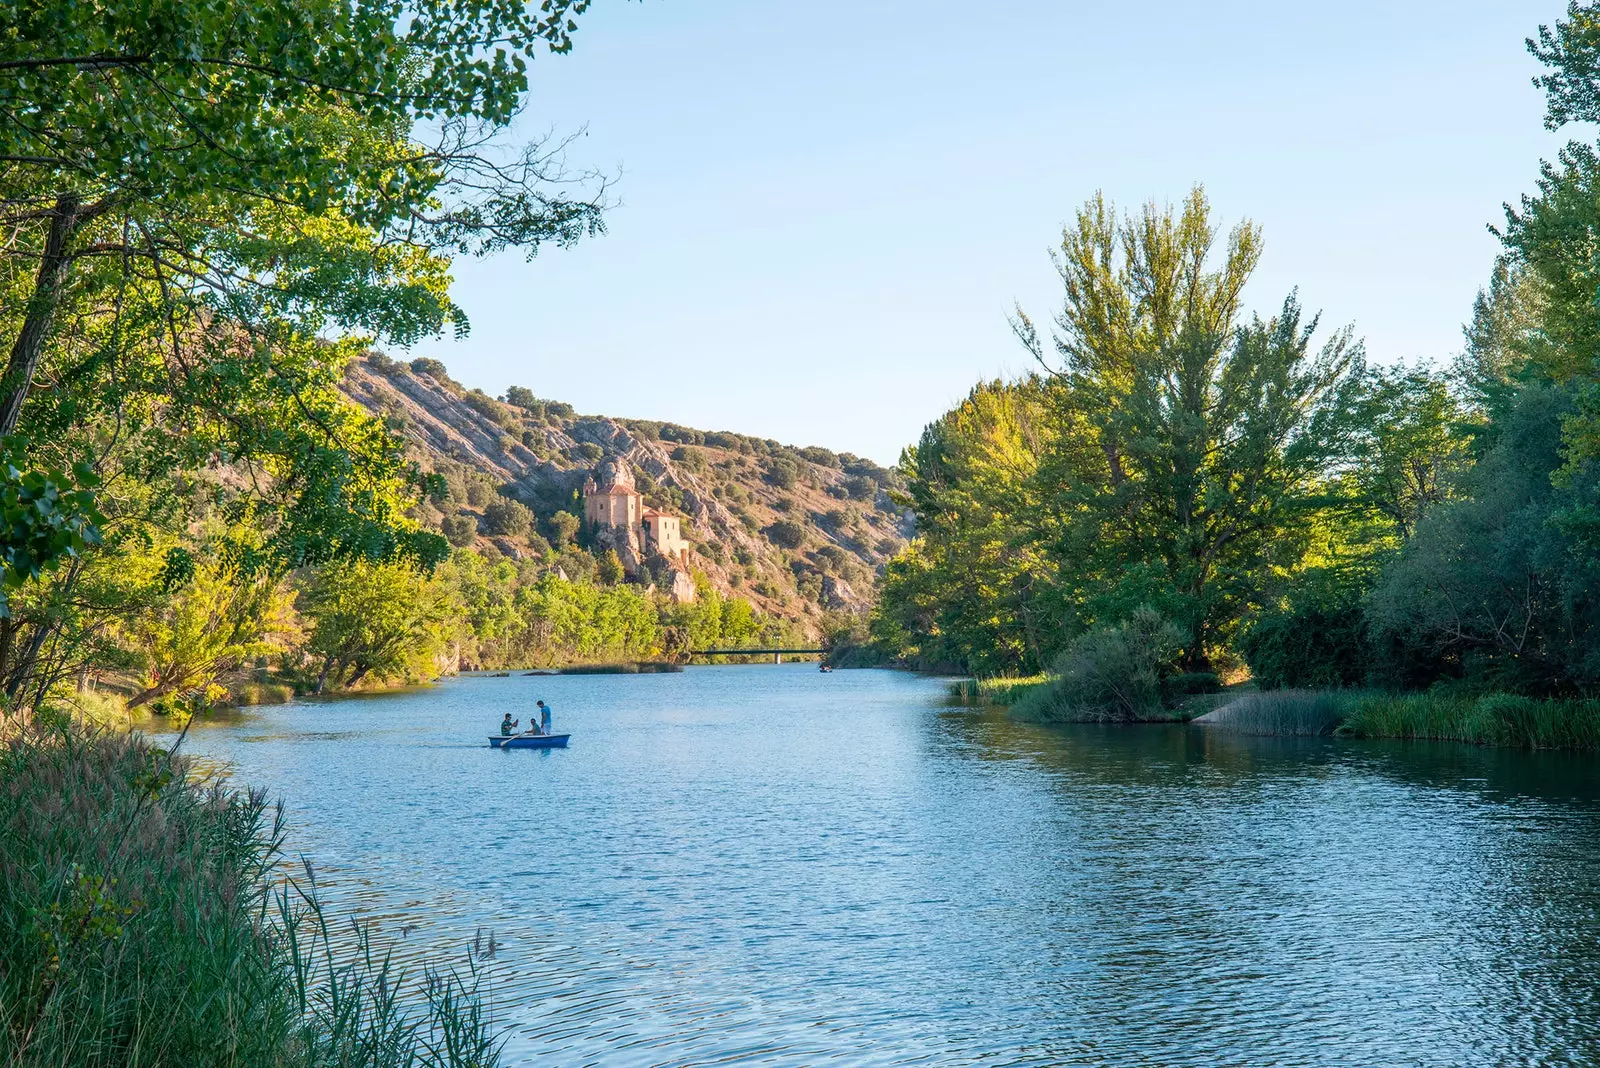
point(615, 511)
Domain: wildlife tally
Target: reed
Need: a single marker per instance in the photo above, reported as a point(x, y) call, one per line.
point(1492, 719)
point(1283, 712)
point(996, 691)
point(146, 920)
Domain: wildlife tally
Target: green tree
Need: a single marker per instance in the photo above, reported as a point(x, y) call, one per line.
point(378, 621)
point(507, 517)
point(1183, 439)
point(974, 590)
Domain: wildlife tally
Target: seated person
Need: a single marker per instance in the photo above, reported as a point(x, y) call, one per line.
point(508, 726)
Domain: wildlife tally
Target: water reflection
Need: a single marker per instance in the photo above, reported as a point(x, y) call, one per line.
point(771, 865)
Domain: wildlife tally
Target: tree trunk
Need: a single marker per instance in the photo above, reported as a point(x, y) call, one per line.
point(322, 678)
point(29, 346)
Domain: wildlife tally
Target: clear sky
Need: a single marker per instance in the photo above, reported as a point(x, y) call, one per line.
point(827, 209)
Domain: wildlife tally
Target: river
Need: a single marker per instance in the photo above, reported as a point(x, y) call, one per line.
point(771, 865)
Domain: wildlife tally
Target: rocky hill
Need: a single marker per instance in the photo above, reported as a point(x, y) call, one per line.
point(798, 532)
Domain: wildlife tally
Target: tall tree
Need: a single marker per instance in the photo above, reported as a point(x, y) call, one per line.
point(1183, 432)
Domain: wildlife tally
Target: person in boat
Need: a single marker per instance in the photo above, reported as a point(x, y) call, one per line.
point(508, 726)
point(544, 715)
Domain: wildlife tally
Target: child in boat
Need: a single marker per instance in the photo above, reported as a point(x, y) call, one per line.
point(508, 726)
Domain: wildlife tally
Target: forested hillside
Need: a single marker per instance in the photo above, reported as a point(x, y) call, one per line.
point(796, 532)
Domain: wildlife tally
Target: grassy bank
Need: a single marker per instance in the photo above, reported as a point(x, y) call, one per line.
point(1491, 719)
point(1003, 691)
point(146, 920)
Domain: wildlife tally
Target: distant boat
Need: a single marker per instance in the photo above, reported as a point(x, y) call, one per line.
point(529, 741)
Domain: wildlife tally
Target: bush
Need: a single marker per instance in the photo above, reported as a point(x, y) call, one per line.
point(1111, 674)
point(382, 364)
point(1194, 682)
point(561, 528)
point(435, 370)
point(782, 472)
point(459, 530)
point(1309, 645)
point(506, 517)
point(786, 534)
point(861, 487)
point(586, 452)
point(691, 457)
point(820, 456)
point(477, 491)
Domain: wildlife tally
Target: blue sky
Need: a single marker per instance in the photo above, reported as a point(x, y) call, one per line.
point(828, 209)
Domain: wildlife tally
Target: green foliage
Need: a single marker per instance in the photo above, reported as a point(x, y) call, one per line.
point(787, 534)
point(377, 621)
point(782, 472)
point(1110, 674)
point(459, 530)
point(609, 568)
point(46, 517)
point(1490, 719)
point(507, 517)
point(1185, 439)
point(150, 913)
point(562, 528)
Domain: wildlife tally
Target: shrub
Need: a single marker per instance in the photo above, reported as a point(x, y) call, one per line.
point(782, 472)
point(381, 363)
point(1323, 643)
point(586, 452)
point(507, 517)
point(691, 457)
point(861, 487)
point(820, 456)
point(561, 528)
point(1194, 682)
point(786, 534)
point(1110, 674)
point(424, 365)
point(459, 530)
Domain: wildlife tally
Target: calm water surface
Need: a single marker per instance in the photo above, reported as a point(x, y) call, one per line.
point(769, 865)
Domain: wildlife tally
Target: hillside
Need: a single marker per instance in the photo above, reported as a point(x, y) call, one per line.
point(798, 532)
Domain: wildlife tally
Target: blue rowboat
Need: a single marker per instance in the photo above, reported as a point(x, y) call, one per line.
point(530, 741)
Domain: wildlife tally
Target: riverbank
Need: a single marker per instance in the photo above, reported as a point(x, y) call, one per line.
point(1495, 719)
point(146, 917)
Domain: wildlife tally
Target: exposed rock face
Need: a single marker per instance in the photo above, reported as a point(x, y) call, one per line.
point(836, 593)
point(682, 590)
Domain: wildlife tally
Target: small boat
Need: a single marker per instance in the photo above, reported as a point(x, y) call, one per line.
point(529, 741)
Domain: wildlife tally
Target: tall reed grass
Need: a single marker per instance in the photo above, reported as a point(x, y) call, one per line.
point(1492, 719)
point(1286, 712)
point(146, 920)
point(995, 691)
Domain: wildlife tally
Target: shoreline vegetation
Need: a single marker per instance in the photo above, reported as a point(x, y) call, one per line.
point(147, 916)
point(1489, 719)
point(1193, 511)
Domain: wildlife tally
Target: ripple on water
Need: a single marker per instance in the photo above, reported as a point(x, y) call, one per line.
point(769, 865)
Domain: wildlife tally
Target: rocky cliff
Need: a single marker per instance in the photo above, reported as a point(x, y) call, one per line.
point(798, 532)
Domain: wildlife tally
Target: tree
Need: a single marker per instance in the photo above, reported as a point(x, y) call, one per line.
point(214, 623)
point(562, 527)
point(379, 621)
point(975, 590)
point(459, 530)
point(1183, 434)
point(610, 568)
point(507, 517)
point(786, 534)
